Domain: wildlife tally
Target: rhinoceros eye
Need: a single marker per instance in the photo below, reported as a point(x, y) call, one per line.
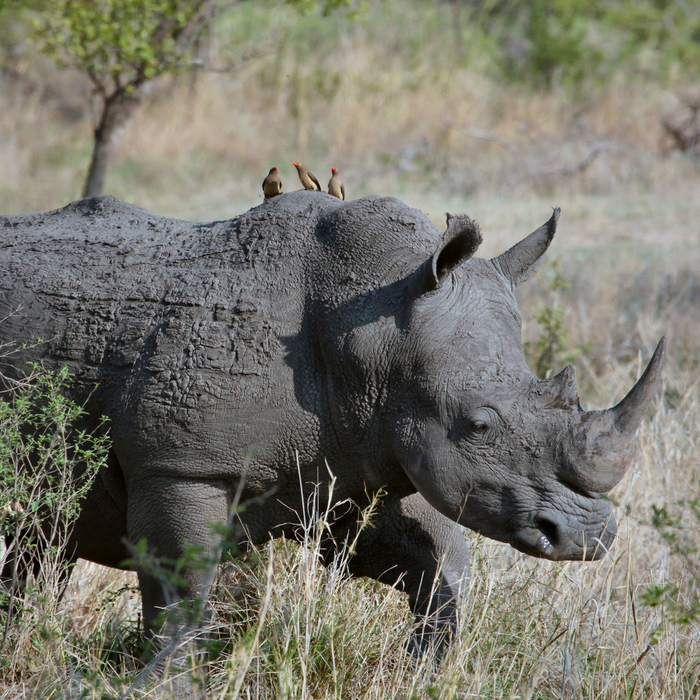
point(482, 424)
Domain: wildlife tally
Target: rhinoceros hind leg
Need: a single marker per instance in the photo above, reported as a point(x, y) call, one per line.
point(100, 532)
point(411, 546)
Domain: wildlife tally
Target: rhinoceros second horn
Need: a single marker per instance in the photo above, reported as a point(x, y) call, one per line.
point(561, 389)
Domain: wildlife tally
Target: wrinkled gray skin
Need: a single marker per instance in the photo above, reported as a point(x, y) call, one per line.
point(310, 330)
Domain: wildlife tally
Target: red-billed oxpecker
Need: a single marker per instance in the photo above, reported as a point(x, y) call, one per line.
point(335, 185)
point(308, 179)
point(272, 184)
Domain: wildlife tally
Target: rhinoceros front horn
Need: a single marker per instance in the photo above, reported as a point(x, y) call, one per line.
point(628, 414)
point(599, 448)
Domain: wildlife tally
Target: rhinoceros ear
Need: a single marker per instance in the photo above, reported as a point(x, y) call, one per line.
point(459, 243)
point(523, 259)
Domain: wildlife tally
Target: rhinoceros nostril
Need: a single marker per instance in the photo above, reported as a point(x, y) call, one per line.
point(549, 529)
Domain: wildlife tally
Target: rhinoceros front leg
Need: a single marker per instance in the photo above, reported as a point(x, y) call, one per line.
point(411, 546)
point(175, 517)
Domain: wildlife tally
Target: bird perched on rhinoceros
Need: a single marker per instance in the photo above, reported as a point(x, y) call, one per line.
point(335, 185)
point(307, 178)
point(306, 334)
point(272, 184)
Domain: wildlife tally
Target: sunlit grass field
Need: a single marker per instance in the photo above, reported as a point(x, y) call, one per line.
point(385, 101)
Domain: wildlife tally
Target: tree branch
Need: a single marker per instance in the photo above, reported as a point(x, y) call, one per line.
point(480, 134)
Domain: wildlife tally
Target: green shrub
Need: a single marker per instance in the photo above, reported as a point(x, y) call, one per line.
point(46, 468)
point(545, 42)
point(552, 350)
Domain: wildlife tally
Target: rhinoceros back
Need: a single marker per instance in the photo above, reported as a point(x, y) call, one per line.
point(115, 291)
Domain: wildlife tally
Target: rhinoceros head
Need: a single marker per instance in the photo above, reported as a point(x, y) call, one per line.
point(440, 357)
point(482, 438)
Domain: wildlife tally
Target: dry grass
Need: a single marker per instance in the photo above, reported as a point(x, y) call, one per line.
point(386, 104)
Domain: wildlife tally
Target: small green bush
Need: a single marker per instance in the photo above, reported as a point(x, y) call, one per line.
point(547, 42)
point(46, 468)
point(552, 350)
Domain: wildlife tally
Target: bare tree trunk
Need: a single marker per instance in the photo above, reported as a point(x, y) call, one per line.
point(116, 110)
point(457, 27)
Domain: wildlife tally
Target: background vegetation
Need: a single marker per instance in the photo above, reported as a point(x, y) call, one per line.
point(496, 109)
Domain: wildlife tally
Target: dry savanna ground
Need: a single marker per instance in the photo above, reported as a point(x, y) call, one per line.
point(441, 137)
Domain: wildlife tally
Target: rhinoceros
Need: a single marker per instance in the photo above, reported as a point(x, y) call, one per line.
point(305, 337)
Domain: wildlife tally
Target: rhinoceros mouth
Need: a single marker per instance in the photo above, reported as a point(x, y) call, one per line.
point(534, 542)
point(550, 537)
